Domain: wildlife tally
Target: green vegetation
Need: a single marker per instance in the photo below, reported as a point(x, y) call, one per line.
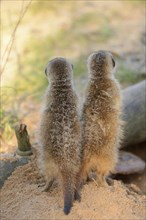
point(51, 6)
point(137, 3)
point(31, 78)
point(80, 66)
point(127, 77)
point(8, 112)
point(8, 120)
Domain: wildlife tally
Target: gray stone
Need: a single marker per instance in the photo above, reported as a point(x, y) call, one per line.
point(8, 163)
point(129, 164)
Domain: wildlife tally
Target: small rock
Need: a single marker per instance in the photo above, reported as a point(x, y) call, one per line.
point(129, 164)
point(8, 165)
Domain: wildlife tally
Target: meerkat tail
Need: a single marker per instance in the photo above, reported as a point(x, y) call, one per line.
point(67, 201)
point(68, 194)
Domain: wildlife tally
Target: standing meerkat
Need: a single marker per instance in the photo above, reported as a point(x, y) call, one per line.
point(60, 130)
point(101, 123)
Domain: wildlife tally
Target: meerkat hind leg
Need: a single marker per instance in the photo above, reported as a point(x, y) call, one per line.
point(103, 176)
point(77, 190)
point(104, 167)
point(77, 196)
point(50, 172)
point(109, 180)
point(48, 185)
point(80, 181)
point(102, 179)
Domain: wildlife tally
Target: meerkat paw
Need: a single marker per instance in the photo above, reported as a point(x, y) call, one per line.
point(102, 181)
point(48, 186)
point(41, 184)
point(110, 181)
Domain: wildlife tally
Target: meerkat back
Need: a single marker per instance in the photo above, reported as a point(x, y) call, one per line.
point(60, 130)
point(101, 122)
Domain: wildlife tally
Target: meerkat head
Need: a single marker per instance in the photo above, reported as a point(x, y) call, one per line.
point(101, 64)
point(59, 69)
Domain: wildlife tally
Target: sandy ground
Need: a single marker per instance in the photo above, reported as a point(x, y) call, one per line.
point(21, 198)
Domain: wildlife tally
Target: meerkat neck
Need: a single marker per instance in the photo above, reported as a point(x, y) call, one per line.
point(100, 76)
point(61, 83)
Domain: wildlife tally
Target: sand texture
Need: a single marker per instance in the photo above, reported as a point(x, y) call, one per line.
point(21, 198)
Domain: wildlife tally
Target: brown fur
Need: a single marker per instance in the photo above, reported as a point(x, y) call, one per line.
point(101, 123)
point(60, 130)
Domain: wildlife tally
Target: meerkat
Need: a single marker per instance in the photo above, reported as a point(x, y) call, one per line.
point(100, 117)
point(60, 131)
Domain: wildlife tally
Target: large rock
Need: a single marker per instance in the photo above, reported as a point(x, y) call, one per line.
point(134, 114)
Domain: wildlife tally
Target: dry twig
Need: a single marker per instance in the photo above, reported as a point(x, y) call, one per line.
point(11, 41)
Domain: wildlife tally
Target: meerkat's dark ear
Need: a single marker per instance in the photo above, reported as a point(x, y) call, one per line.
point(72, 66)
point(46, 71)
point(113, 61)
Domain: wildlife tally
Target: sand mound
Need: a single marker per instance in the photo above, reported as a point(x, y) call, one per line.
point(21, 198)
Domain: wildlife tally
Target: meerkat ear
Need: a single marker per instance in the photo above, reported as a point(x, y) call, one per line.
point(46, 71)
point(72, 66)
point(114, 63)
point(97, 57)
